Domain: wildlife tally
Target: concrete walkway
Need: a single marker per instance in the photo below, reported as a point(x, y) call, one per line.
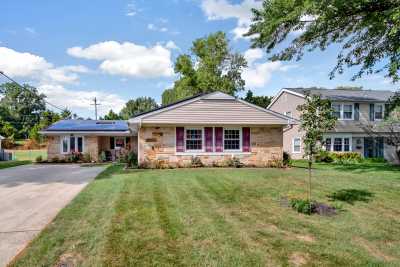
point(31, 196)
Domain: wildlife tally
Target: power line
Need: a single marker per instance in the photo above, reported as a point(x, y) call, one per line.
point(9, 78)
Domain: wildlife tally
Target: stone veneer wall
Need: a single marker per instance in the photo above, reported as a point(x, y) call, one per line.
point(157, 149)
point(54, 147)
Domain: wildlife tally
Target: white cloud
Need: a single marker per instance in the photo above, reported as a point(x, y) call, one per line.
point(30, 30)
point(131, 9)
point(73, 99)
point(259, 74)
point(128, 59)
point(28, 65)
point(153, 27)
point(222, 10)
point(171, 45)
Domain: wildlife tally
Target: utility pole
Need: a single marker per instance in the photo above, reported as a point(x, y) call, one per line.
point(95, 107)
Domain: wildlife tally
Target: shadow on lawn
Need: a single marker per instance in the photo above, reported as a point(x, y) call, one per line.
point(351, 195)
point(366, 167)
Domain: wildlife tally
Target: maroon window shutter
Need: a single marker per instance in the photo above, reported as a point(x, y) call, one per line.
point(209, 138)
point(180, 139)
point(219, 146)
point(246, 139)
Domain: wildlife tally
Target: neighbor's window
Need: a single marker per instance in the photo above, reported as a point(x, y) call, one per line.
point(328, 143)
point(347, 112)
point(337, 144)
point(378, 112)
point(231, 139)
point(336, 110)
point(194, 139)
point(296, 145)
point(346, 142)
point(65, 144)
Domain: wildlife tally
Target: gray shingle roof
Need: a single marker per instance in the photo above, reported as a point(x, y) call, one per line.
point(347, 94)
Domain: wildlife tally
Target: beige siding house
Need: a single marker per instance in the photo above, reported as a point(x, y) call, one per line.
point(213, 127)
point(355, 109)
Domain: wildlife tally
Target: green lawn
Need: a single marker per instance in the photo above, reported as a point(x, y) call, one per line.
point(28, 154)
point(13, 163)
point(225, 217)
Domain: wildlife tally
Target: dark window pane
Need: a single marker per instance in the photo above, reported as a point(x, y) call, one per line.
point(72, 144)
point(337, 145)
point(328, 143)
point(80, 144)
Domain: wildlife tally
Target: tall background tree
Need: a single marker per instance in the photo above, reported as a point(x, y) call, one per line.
point(316, 116)
point(211, 66)
point(21, 108)
point(369, 31)
point(136, 106)
point(261, 101)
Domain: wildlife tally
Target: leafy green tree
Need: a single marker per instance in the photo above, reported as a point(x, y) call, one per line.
point(261, 101)
point(24, 106)
point(66, 114)
point(210, 67)
point(316, 116)
point(136, 106)
point(111, 116)
point(368, 29)
point(7, 130)
point(47, 118)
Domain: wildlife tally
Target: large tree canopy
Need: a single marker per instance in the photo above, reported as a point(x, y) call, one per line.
point(136, 106)
point(368, 29)
point(261, 101)
point(210, 67)
point(21, 107)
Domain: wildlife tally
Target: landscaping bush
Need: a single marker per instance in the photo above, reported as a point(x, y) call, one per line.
point(87, 158)
point(132, 160)
point(302, 205)
point(324, 156)
point(196, 162)
point(39, 159)
point(234, 162)
point(375, 160)
point(287, 160)
point(102, 156)
point(346, 157)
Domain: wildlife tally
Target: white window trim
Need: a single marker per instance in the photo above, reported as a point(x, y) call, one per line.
point(341, 118)
point(332, 137)
point(202, 140)
point(240, 139)
point(293, 151)
point(69, 143)
point(383, 111)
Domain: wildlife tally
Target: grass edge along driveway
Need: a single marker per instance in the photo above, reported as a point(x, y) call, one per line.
point(13, 163)
point(224, 217)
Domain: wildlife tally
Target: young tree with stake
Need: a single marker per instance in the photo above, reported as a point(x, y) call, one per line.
point(316, 119)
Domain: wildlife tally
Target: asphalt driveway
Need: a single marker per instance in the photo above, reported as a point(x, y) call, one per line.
point(31, 196)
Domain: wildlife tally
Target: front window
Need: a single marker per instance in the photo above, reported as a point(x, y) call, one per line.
point(336, 110)
point(65, 144)
point(194, 139)
point(231, 139)
point(296, 145)
point(378, 112)
point(347, 112)
point(71, 144)
point(119, 142)
point(340, 144)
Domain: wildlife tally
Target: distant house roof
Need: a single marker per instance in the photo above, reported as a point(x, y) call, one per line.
point(1, 137)
point(88, 126)
point(346, 94)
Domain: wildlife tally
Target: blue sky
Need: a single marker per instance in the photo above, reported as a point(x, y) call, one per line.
point(117, 50)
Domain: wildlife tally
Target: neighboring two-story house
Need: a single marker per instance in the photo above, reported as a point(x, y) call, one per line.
point(354, 109)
